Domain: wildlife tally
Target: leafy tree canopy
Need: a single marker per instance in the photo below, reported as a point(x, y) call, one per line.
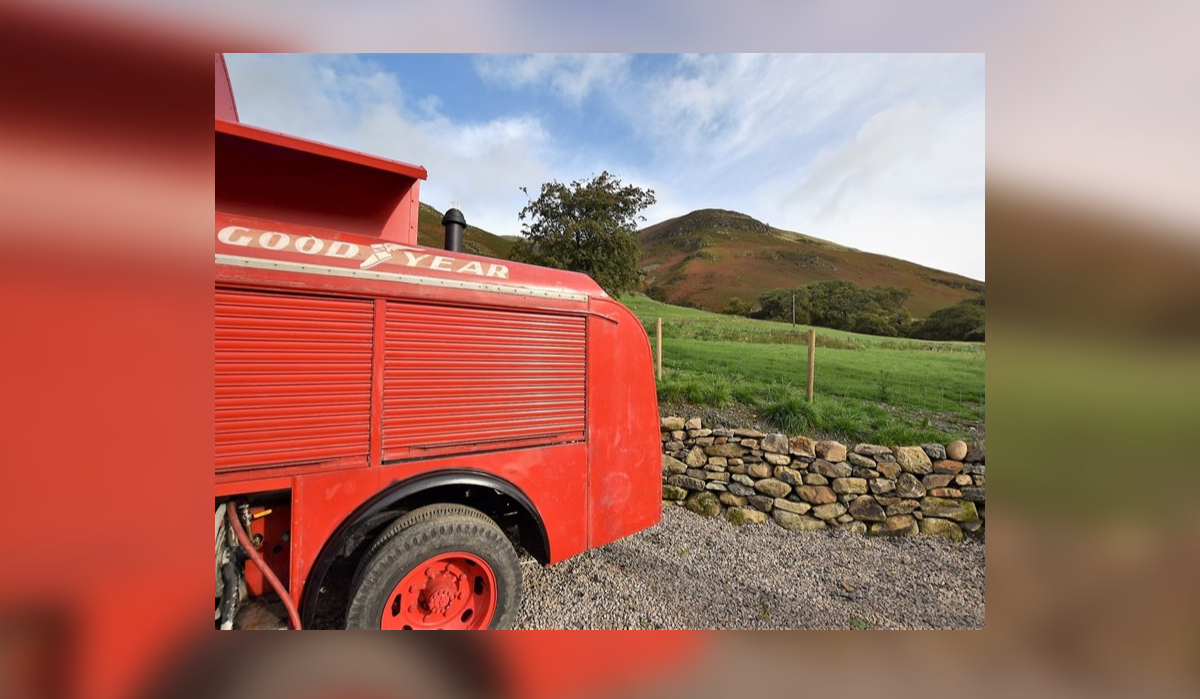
point(587, 226)
point(963, 321)
point(736, 307)
point(841, 305)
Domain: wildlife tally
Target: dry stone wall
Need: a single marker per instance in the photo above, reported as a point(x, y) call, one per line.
point(751, 477)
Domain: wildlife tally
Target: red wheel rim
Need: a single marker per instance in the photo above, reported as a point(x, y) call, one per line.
point(450, 591)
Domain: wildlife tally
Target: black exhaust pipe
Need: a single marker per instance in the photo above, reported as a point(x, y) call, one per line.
point(455, 223)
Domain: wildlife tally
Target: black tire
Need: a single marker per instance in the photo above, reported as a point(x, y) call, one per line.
point(421, 535)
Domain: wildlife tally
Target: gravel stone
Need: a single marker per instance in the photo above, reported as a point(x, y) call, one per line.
point(787, 580)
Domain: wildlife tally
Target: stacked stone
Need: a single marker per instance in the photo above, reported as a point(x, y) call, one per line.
point(749, 477)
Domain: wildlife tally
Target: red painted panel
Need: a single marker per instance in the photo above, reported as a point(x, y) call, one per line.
point(286, 179)
point(624, 486)
point(275, 529)
point(476, 377)
point(293, 378)
point(554, 478)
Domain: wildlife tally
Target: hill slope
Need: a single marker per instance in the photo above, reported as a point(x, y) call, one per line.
point(476, 241)
point(703, 258)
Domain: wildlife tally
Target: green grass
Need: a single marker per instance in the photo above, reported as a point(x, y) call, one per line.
point(874, 389)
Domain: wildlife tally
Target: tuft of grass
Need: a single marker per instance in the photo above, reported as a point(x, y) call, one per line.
point(885, 387)
point(671, 388)
point(831, 342)
point(707, 389)
point(793, 414)
point(746, 393)
point(858, 624)
point(695, 391)
point(784, 408)
point(894, 432)
point(847, 419)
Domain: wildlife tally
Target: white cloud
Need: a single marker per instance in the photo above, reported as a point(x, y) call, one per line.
point(572, 76)
point(855, 170)
point(353, 103)
point(883, 153)
point(910, 185)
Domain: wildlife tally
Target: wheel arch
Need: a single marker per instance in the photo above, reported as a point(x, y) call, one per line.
point(503, 502)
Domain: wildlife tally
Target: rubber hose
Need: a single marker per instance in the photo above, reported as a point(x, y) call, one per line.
point(240, 532)
point(229, 597)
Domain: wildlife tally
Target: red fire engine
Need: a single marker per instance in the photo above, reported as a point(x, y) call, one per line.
point(393, 422)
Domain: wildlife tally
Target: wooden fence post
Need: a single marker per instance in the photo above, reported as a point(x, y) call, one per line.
point(812, 363)
point(658, 348)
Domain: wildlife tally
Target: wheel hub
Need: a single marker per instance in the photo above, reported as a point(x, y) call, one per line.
point(441, 591)
point(449, 591)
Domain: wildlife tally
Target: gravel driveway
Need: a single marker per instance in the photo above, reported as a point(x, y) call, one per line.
point(688, 572)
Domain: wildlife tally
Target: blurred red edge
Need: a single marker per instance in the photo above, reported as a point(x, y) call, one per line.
point(105, 415)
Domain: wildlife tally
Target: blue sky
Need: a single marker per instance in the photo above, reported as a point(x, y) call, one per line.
point(878, 152)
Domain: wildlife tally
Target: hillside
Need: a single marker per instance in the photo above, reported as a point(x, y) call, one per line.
point(431, 233)
point(703, 258)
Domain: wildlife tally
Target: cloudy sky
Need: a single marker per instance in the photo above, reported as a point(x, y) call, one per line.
point(878, 152)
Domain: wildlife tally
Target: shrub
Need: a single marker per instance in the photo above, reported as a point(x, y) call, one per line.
point(736, 307)
point(958, 322)
point(872, 324)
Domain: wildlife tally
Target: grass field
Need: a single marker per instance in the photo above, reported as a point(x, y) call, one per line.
point(872, 389)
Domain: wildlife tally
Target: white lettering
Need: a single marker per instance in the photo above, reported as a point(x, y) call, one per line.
point(227, 233)
point(343, 250)
point(273, 241)
point(310, 245)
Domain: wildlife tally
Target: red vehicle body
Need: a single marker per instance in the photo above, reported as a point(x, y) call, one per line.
point(361, 376)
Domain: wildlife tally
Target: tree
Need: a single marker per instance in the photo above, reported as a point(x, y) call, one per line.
point(964, 321)
point(835, 303)
point(873, 324)
point(841, 305)
point(736, 307)
point(587, 226)
point(779, 305)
